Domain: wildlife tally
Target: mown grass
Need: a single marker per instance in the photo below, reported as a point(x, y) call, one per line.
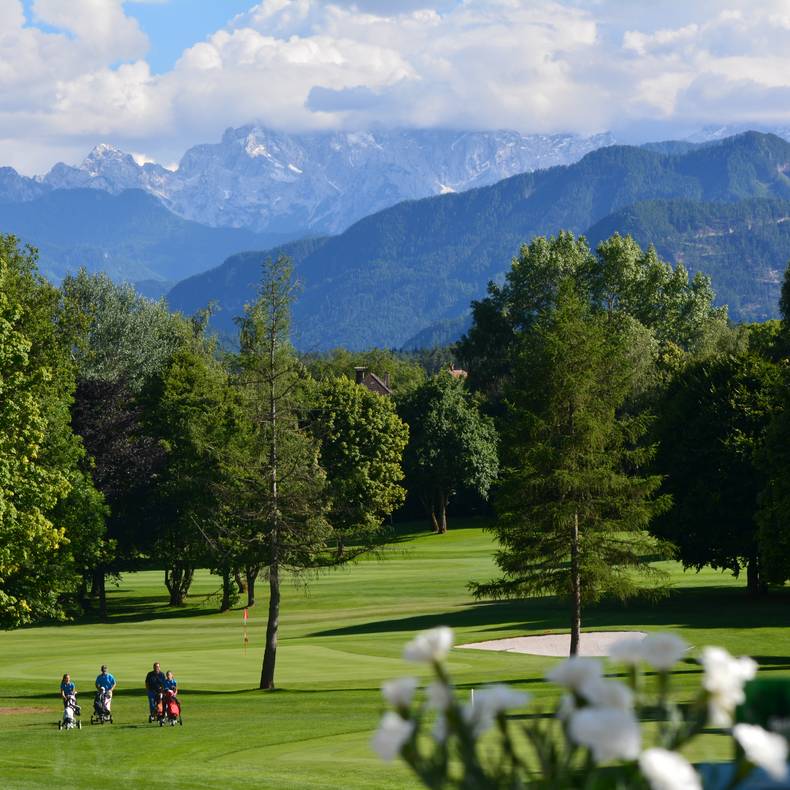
point(341, 636)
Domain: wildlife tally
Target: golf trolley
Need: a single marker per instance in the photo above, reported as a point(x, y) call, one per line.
point(71, 713)
point(102, 708)
point(169, 710)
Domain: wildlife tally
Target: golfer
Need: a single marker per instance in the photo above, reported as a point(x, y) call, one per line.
point(105, 681)
point(154, 683)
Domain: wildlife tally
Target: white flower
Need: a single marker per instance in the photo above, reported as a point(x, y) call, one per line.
point(439, 731)
point(574, 672)
point(610, 734)
point(663, 651)
point(724, 679)
point(765, 749)
point(433, 645)
point(392, 733)
point(666, 770)
point(488, 702)
point(400, 692)
point(608, 694)
point(499, 698)
point(440, 695)
point(567, 707)
point(627, 651)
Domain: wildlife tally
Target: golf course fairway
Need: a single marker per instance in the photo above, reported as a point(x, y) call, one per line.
point(341, 635)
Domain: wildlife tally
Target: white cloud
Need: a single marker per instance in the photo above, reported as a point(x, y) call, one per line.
point(549, 65)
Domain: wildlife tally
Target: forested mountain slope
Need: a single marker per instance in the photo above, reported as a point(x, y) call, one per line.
point(131, 236)
point(419, 263)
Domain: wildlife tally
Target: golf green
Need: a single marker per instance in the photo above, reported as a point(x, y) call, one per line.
point(341, 635)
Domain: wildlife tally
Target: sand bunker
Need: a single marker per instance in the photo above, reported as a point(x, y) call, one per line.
point(595, 643)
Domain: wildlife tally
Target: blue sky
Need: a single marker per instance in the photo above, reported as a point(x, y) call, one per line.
point(175, 25)
point(155, 77)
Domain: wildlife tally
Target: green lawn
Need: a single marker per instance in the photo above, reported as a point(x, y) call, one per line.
point(340, 637)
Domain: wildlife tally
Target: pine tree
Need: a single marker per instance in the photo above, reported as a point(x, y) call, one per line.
point(276, 502)
point(574, 503)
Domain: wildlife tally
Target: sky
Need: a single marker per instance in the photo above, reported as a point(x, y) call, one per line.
point(157, 76)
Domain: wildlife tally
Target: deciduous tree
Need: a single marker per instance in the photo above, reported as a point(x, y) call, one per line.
point(451, 444)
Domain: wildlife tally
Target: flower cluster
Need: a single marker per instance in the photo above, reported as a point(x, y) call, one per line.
point(599, 718)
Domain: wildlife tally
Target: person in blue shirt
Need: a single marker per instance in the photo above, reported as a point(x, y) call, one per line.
point(67, 688)
point(171, 684)
point(105, 681)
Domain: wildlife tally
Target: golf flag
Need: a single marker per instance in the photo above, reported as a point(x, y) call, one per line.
point(245, 638)
point(244, 616)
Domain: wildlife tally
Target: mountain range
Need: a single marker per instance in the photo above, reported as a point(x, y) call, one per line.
point(309, 184)
point(415, 267)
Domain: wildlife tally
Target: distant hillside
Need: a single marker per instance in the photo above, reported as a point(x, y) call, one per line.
point(744, 246)
point(419, 263)
point(131, 236)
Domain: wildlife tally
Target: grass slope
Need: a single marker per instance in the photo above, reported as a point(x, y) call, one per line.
point(341, 636)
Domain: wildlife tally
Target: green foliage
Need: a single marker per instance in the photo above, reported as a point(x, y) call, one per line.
point(127, 337)
point(45, 500)
point(711, 427)
point(573, 504)
point(362, 443)
point(404, 372)
point(188, 411)
point(276, 499)
point(451, 444)
point(619, 279)
point(741, 246)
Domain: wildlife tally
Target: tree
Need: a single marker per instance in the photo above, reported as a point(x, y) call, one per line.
point(773, 516)
point(404, 372)
point(712, 424)
point(46, 504)
point(619, 278)
point(451, 444)
point(123, 341)
point(362, 443)
point(573, 503)
point(186, 412)
point(275, 498)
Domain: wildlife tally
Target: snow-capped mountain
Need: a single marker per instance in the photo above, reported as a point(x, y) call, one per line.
point(320, 182)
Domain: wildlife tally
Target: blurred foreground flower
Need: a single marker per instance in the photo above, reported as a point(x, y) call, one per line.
point(765, 749)
point(429, 646)
point(593, 740)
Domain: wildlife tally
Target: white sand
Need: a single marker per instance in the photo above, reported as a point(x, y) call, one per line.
point(594, 643)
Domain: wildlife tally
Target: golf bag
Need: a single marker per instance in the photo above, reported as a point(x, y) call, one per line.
point(102, 707)
point(170, 709)
point(71, 713)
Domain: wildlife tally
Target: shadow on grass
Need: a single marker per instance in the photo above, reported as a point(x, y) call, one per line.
point(686, 607)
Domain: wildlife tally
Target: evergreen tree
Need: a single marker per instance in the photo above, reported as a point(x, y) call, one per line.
point(574, 502)
point(276, 497)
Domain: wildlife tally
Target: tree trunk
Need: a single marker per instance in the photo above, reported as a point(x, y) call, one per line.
point(442, 512)
point(99, 590)
point(227, 591)
point(273, 619)
point(251, 574)
point(754, 582)
point(178, 579)
point(576, 616)
point(241, 585)
point(272, 625)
